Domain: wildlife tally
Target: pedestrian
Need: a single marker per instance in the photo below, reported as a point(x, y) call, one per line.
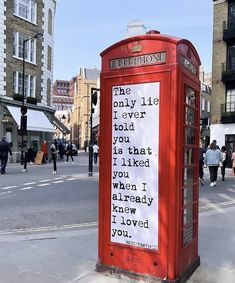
point(30, 155)
point(233, 163)
point(202, 152)
point(5, 148)
point(45, 151)
point(215, 142)
point(212, 159)
point(224, 161)
point(95, 152)
point(61, 151)
point(53, 157)
point(69, 151)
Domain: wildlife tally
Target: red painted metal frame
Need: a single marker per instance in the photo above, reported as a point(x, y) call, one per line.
point(171, 260)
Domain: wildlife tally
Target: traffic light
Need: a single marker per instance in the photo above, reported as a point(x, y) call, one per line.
point(94, 98)
point(23, 124)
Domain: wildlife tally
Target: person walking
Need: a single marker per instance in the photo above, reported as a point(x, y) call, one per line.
point(233, 163)
point(224, 161)
point(45, 151)
point(53, 157)
point(212, 159)
point(61, 151)
point(4, 150)
point(69, 151)
point(95, 152)
point(202, 152)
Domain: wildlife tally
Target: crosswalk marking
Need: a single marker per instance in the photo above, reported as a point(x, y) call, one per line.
point(57, 182)
point(31, 183)
point(43, 185)
point(25, 188)
point(7, 188)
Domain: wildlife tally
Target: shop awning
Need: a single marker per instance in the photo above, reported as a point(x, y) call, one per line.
point(59, 125)
point(36, 120)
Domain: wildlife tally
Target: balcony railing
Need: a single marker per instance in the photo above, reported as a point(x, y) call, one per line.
point(228, 30)
point(228, 112)
point(228, 71)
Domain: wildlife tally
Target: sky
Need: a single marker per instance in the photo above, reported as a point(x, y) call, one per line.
point(84, 28)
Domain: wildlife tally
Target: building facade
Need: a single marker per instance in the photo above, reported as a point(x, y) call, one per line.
point(81, 111)
point(26, 70)
point(223, 74)
point(205, 108)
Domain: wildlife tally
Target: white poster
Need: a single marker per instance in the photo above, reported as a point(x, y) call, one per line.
point(135, 143)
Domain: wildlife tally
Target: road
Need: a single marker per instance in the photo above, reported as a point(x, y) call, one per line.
point(39, 199)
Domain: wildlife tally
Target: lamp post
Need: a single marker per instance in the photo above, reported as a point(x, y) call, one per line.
point(93, 102)
point(23, 125)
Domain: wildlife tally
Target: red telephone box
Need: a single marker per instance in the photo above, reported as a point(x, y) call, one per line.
point(149, 136)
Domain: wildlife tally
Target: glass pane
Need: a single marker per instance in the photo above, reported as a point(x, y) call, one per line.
point(188, 175)
point(188, 195)
point(189, 135)
point(189, 156)
point(189, 116)
point(190, 96)
point(188, 215)
point(187, 234)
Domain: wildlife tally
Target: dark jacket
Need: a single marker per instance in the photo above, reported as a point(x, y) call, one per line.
point(5, 148)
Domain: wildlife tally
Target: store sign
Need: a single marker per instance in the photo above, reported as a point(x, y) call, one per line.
point(135, 145)
point(135, 61)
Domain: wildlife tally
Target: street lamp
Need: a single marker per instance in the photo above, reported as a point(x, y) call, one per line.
point(94, 96)
point(23, 125)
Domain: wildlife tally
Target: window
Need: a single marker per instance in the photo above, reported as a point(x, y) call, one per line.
point(26, 9)
point(29, 84)
point(203, 103)
point(48, 92)
point(50, 21)
point(30, 47)
point(231, 13)
point(231, 57)
point(230, 100)
point(208, 106)
point(49, 58)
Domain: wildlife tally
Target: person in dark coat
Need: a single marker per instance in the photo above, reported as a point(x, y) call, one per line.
point(4, 150)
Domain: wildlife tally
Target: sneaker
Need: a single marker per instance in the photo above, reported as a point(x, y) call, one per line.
point(212, 184)
point(54, 173)
point(72, 162)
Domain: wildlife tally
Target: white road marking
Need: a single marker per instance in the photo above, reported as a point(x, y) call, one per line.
point(31, 183)
point(5, 193)
point(51, 228)
point(43, 185)
point(70, 179)
point(26, 188)
point(7, 188)
point(57, 182)
point(42, 181)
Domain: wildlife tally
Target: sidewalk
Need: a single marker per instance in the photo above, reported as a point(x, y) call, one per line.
point(70, 256)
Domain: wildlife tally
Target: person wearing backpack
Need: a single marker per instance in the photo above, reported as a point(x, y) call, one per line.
point(69, 151)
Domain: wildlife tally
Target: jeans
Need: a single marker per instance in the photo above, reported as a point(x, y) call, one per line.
point(213, 173)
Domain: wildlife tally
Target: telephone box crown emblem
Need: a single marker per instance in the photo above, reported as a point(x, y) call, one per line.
point(136, 47)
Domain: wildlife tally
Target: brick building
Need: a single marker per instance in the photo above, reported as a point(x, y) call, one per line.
point(80, 116)
point(26, 31)
point(223, 74)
